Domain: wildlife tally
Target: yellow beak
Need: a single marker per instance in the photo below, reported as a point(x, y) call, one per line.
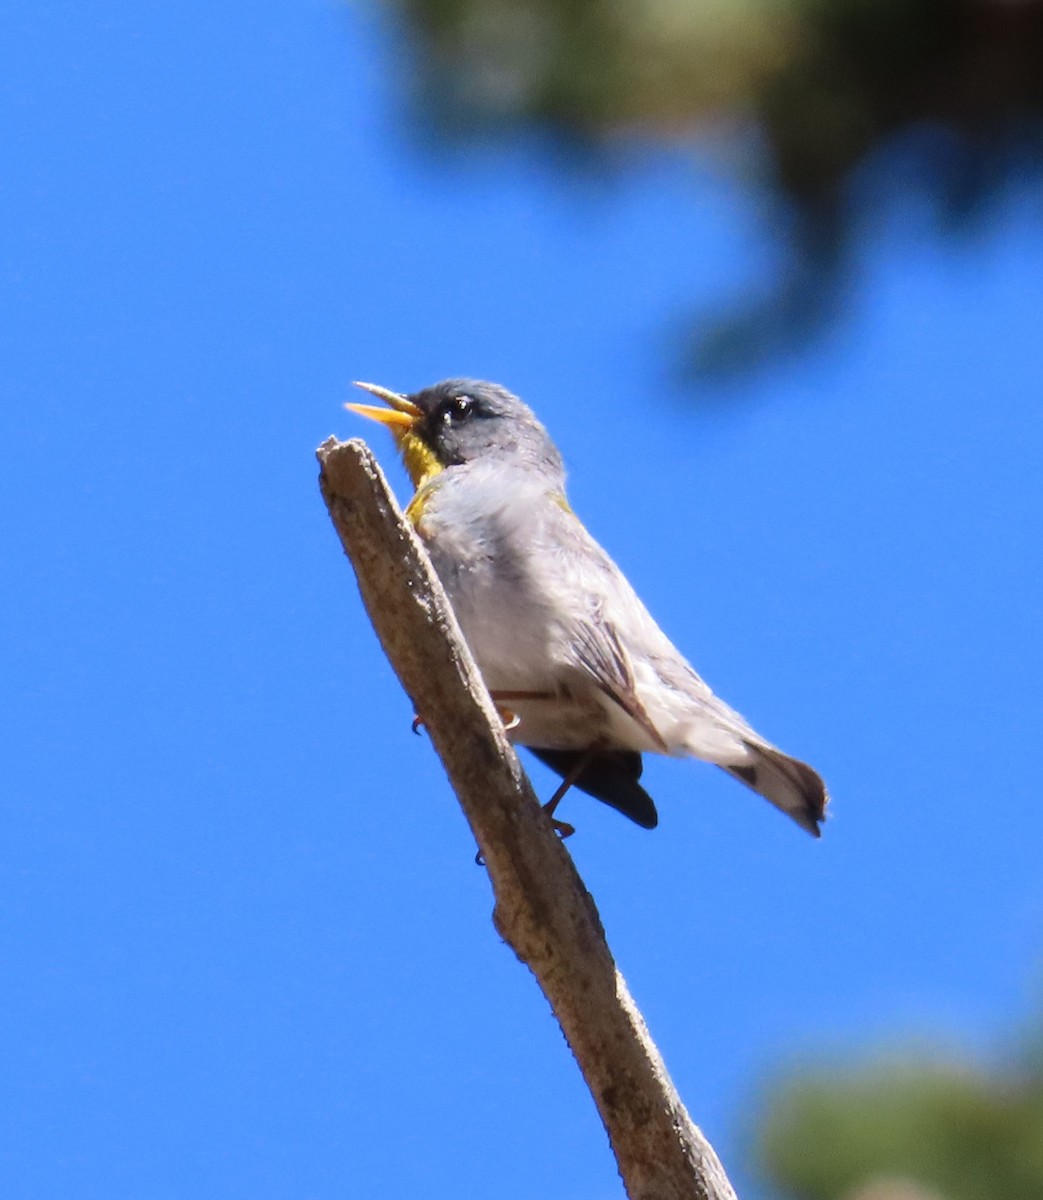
point(400, 416)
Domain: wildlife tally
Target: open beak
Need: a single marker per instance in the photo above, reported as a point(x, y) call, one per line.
point(402, 414)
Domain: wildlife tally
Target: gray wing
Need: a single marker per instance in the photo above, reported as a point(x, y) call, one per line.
point(610, 627)
point(609, 630)
point(597, 650)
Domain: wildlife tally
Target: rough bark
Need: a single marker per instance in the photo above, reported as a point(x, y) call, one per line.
point(542, 909)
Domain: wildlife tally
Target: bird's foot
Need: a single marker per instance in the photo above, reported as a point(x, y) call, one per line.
point(562, 828)
point(417, 725)
point(510, 720)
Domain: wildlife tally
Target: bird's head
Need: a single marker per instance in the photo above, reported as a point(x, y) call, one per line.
point(460, 421)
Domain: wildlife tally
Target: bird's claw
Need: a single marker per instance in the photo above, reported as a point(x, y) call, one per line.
point(562, 828)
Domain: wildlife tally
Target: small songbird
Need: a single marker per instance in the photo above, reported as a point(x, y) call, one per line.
point(585, 677)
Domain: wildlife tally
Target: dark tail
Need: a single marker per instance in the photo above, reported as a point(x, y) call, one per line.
point(610, 776)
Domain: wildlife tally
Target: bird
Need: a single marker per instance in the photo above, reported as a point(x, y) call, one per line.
point(584, 677)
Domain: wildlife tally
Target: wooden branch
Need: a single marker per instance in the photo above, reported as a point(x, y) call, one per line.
point(542, 908)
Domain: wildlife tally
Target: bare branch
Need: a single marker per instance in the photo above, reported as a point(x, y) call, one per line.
point(542, 908)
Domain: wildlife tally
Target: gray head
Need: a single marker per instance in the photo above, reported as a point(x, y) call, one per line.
point(467, 419)
point(462, 421)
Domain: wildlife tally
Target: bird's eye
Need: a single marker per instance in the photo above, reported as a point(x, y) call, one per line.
point(458, 409)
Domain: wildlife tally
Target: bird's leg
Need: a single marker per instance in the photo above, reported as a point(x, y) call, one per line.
point(562, 828)
point(510, 719)
point(498, 696)
point(508, 716)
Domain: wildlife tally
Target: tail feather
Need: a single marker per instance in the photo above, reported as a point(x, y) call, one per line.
point(788, 783)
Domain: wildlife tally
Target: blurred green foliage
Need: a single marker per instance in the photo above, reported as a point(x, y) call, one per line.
point(955, 1131)
point(817, 103)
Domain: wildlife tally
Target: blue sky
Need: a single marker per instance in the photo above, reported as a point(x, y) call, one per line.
point(245, 948)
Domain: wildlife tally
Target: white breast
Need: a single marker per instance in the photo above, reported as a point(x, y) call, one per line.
point(482, 553)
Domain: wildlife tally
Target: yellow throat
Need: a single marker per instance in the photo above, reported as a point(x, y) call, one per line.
point(419, 458)
point(402, 417)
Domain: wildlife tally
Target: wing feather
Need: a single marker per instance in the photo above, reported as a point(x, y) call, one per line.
point(599, 652)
